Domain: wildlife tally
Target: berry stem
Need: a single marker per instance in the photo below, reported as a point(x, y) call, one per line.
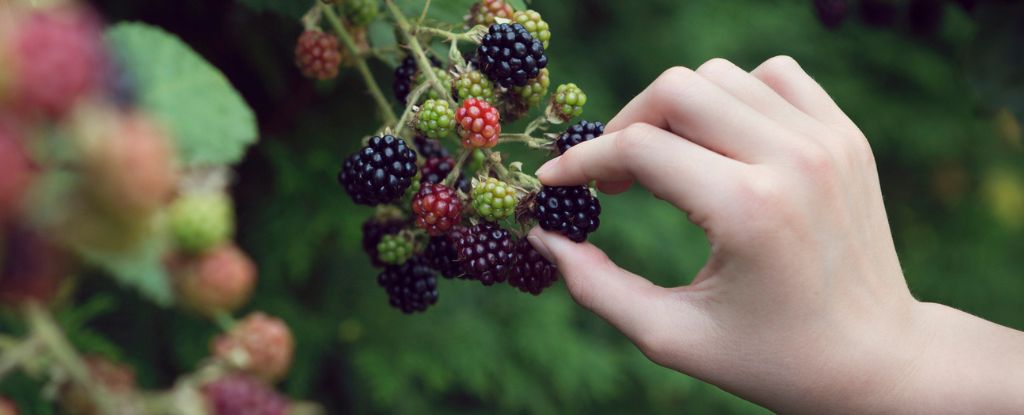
point(410, 108)
point(453, 175)
point(311, 20)
point(469, 36)
point(371, 83)
point(421, 58)
point(529, 140)
point(16, 352)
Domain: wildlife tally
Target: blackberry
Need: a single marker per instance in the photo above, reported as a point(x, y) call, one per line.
point(404, 74)
point(568, 101)
point(429, 147)
point(221, 280)
point(373, 231)
point(394, 249)
point(533, 92)
point(493, 199)
point(201, 221)
point(486, 253)
point(534, 24)
point(479, 124)
point(879, 12)
point(569, 210)
point(242, 395)
point(578, 133)
point(360, 12)
point(474, 84)
point(411, 287)
point(267, 342)
point(317, 55)
point(437, 208)
point(830, 12)
point(380, 172)
point(441, 255)
point(435, 119)
point(509, 55)
point(531, 273)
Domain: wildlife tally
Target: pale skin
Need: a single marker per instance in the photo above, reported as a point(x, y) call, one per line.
point(802, 306)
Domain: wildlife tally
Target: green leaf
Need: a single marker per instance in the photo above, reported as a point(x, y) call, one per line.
point(287, 8)
point(209, 120)
point(517, 4)
point(447, 11)
point(140, 267)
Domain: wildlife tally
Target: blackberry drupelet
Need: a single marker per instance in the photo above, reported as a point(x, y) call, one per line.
point(441, 255)
point(242, 395)
point(509, 55)
point(411, 287)
point(578, 133)
point(569, 210)
point(437, 208)
point(373, 231)
point(532, 273)
point(486, 253)
point(380, 172)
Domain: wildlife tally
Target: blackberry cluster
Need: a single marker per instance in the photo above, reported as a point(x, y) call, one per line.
point(532, 273)
point(569, 210)
point(486, 253)
point(578, 133)
point(509, 55)
point(380, 172)
point(441, 255)
point(411, 287)
point(373, 231)
point(241, 395)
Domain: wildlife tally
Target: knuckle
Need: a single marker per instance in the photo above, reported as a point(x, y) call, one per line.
point(634, 140)
point(781, 64)
point(814, 161)
point(673, 82)
point(715, 65)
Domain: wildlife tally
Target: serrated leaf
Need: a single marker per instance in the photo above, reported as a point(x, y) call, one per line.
point(287, 8)
point(140, 267)
point(209, 120)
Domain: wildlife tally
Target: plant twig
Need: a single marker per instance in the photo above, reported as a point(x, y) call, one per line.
point(364, 71)
point(421, 57)
point(453, 175)
point(17, 353)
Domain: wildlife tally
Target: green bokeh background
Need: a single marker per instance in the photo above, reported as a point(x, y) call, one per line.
point(936, 109)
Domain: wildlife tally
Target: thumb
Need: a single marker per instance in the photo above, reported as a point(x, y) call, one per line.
point(629, 302)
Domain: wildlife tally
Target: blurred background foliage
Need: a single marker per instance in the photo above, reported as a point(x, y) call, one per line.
point(941, 110)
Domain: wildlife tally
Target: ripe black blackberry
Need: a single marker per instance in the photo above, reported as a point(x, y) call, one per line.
point(509, 55)
point(441, 255)
point(831, 13)
point(405, 74)
point(380, 172)
point(429, 147)
point(578, 133)
point(569, 210)
point(532, 273)
point(486, 253)
point(411, 287)
point(373, 230)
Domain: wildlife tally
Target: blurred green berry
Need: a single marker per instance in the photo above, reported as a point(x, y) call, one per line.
point(201, 221)
point(360, 12)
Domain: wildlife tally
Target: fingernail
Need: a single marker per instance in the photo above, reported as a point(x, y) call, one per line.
point(541, 248)
point(546, 166)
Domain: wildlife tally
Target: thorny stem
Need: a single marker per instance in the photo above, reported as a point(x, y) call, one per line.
point(423, 14)
point(421, 58)
point(364, 71)
point(453, 176)
point(410, 106)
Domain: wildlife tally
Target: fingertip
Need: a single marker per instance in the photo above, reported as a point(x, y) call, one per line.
point(546, 171)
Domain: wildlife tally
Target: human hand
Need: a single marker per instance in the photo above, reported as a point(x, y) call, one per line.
point(802, 306)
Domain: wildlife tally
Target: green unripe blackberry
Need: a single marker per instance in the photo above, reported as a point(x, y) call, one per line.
point(201, 221)
point(568, 101)
point(394, 249)
point(435, 118)
point(442, 76)
point(533, 92)
point(413, 187)
point(534, 24)
point(360, 12)
point(493, 199)
point(474, 84)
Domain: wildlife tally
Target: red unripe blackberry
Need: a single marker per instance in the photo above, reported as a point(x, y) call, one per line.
point(570, 210)
point(16, 172)
point(266, 341)
point(32, 266)
point(479, 123)
point(531, 272)
point(441, 255)
point(58, 58)
point(486, 253)
point(242, 395)
point(509, 55)
point(578, 133)
point(830, 12)
point(411, 287)
point(437, 208)
point(220, 280)
point(484, 12)
point(373, 231)
point(380, 172)
point(317, 55)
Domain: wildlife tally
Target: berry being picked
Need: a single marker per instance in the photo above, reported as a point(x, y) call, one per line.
point(578, 133)
point(32, 266)
point(533, 92)
point(532, 273)
point(317, 55)
point(509, 55)
point(394, 249)
point(831, 13)
point(200, 221)
point(117, 379)
point(411, 287)
point(437, 208)
point(570, 210)
point(442, 76)
point(242, 395)
point(260, 345)
point(435, 118)
point(380, 172)
point(220, 280)
point(484, 12)
point(440, 253)
point(567, 101)
point(494, 199)
point(374, 230)
point(430, 148)
point(479, 124)
point(58, 57)
point(534, 24)
point(16, 172)
point(360, 12)
point(486, 253)
point(474, 84)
